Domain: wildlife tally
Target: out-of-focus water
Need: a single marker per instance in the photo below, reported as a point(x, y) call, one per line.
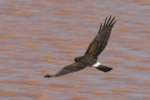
point(41, 36)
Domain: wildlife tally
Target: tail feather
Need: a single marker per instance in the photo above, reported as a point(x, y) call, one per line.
point(104, 68)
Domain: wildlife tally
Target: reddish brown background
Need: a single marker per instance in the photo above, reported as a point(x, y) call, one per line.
point(42, 36)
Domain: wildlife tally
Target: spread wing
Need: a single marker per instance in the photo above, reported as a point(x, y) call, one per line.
point(77, 66)
point(101, 39)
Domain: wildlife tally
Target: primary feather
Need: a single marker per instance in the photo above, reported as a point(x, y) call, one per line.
point(101, 39)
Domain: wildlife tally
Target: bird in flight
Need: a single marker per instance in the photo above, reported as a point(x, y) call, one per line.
point(94, 50)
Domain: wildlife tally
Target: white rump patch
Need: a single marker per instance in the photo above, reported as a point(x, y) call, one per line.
point(96, 64)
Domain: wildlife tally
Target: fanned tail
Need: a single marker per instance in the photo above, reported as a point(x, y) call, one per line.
point(104, 68)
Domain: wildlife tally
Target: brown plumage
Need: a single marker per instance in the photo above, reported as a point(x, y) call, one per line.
point(95, 48)
point(100, 41)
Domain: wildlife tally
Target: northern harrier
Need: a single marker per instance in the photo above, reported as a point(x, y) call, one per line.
point(94, 50)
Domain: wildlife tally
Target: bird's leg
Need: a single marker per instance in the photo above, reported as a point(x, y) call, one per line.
point(101, 67)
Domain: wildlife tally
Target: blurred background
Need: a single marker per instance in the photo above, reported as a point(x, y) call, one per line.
point(39, 37)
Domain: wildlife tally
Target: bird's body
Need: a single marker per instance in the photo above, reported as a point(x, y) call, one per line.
point(87, 60)
point(95, 48)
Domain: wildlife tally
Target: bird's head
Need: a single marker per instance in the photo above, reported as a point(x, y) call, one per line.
point(77, 59)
